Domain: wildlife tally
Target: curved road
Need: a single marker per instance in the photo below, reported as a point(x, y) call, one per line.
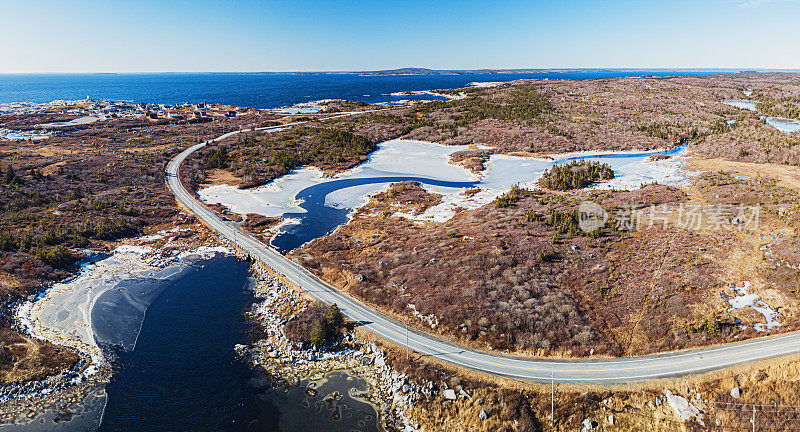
point(601, 371)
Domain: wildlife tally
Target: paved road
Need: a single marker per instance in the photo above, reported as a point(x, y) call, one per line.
point(606, 371)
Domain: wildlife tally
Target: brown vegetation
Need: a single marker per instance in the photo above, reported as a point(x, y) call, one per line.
point(77, 190)
point(256, 158)
point(521, 275)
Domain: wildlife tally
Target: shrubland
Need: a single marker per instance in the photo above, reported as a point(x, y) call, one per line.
point(256, 158)
point(81, 189)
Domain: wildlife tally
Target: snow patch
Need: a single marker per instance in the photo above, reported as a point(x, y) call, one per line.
point(204, 252)
point(746, 299)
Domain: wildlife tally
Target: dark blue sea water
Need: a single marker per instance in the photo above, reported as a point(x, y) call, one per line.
point(258, 90)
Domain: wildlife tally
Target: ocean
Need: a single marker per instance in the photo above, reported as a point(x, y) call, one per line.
point(267, 90)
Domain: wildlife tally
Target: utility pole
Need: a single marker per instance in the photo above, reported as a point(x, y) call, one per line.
point(754, 417)
point(552, 397)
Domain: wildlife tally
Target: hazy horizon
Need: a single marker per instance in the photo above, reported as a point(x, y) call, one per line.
point(443, 71)
point(89, 36)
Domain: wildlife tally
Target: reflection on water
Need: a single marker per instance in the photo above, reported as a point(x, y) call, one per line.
point(330, 404)
point(183, 374)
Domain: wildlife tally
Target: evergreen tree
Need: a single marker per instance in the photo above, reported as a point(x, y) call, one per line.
point(10, 176)
point(334, 317)
point(317, 335)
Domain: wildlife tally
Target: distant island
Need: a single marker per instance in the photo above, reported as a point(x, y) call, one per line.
point(427, 71)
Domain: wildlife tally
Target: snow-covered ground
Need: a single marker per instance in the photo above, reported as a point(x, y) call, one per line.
point(406, 158)
point(17, 135)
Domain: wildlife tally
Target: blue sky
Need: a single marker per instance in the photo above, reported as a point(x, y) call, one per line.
point(245, 35)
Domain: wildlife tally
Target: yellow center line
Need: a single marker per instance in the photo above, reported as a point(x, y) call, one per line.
point(324, 291)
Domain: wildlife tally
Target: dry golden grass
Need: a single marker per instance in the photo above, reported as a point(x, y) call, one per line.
point(764, 382)
point(220, 176)
point(34, 359)
point(788, 176)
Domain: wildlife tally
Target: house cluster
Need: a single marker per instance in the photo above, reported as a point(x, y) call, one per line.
point(188, 111)
point(154, 111)
point(92, 110)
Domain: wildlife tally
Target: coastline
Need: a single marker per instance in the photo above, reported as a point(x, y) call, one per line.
point(66, 314)
point(391, 393)
point(76, 398)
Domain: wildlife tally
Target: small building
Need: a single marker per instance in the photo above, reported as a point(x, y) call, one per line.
point(230, 114)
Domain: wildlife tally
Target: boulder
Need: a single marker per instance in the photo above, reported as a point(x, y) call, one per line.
point(240, 349)
point(449, 394)
point(736, 392)
point(684, 409)
point(482, 415)
point(588, 425)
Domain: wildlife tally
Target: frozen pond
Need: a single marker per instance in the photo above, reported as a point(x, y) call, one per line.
point(76, 122)
point(783, 124)
point(300, 110)
point(315, 204)
point(743, 104)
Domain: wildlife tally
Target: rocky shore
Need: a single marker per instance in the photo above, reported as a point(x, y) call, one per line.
point(70, 395)
point(57, 397)
point(61, 314)
point(393, 394)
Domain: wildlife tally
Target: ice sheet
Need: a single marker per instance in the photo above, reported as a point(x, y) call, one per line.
point(407, 158)
point(742, 104)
